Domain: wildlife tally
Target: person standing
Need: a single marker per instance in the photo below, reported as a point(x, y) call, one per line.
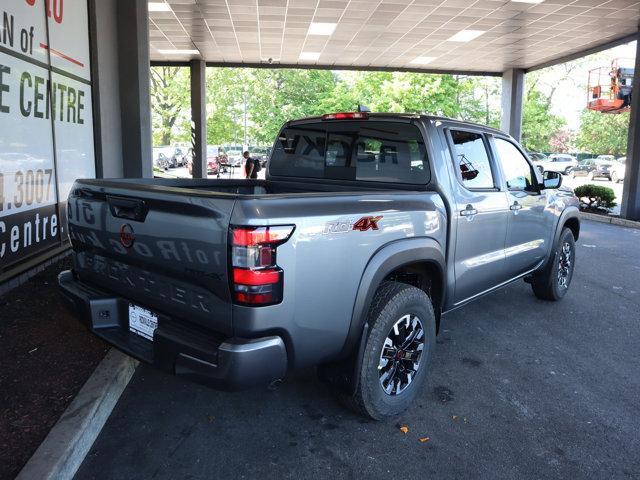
point(251, 167)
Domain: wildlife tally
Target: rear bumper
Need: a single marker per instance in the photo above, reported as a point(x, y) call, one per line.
point(178, 348)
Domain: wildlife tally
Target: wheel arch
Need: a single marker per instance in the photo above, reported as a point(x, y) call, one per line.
point(569, 218)
point(573, 223)
point(422, 259)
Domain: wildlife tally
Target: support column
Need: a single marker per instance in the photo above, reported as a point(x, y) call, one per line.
point(134, 65)
point(512, 99)
point(630, 206)
point(199, 117)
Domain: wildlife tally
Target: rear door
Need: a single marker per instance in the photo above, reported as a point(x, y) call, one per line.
point(481, 214)
point(529, 228)
point(162, 248)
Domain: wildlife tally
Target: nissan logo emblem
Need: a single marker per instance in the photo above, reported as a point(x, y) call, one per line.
point(127, 237)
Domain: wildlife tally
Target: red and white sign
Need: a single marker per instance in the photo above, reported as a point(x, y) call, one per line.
point(45, 93)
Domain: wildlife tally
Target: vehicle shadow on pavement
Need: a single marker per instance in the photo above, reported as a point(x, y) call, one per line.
point(519, 388)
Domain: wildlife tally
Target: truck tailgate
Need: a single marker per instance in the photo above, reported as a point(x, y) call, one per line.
point(163, 250)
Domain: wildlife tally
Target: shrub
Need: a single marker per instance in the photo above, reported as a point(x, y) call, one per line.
point(596, 197)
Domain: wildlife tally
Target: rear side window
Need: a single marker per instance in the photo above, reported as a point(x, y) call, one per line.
point(371, 151)
point(472, 159)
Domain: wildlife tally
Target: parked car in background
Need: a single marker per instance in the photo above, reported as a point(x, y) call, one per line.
point(235, 158)
point(557, 162)
point(606, 158)
point(162, 157)
point(170, 157)
point(216, 161)
point(213, 160)
point(261, 154)
point(618, 169)
point(180, 157)
point(537, 156)
point(592, 168)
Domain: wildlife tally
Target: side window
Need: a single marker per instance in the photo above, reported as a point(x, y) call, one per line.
point(517, 171)
point(472, 159)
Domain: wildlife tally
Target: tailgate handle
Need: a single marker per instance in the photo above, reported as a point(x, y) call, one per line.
point(129, 208)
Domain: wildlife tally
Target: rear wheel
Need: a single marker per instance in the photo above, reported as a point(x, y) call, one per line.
point(553, 283)
point(397, 353)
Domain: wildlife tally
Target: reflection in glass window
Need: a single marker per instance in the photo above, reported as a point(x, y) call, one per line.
point(370, 151)
point(517, 171)
point(339, 147)
point(299, 151)
point(472, 159)
point(391, 152)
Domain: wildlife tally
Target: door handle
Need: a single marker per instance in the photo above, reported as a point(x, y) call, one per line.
point(515, 207)
point(469, 211)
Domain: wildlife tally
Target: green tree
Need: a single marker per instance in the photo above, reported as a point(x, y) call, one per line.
point(277, 95)
point(273, 96)
point(602, 133)
point(225, 90)
point(479, 100)
point(170, 102)
point(539, 125)
point(423, 93)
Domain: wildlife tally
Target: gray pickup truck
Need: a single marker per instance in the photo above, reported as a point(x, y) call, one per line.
point(367, 230)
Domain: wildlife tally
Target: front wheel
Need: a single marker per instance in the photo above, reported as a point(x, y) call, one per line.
point(567, 170)
point(397, 353)
point(553, 283)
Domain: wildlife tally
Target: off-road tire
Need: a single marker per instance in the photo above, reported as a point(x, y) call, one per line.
point(391, 302)
point(547, 285)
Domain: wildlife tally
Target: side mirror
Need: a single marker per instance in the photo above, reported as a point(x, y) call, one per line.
point(551, 180)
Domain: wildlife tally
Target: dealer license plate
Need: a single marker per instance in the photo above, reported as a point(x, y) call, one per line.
point(142, 321)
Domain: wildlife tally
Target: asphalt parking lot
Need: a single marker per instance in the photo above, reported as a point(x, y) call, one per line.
point(519, 388)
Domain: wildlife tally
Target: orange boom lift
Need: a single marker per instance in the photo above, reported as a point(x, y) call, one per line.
point(609, 88)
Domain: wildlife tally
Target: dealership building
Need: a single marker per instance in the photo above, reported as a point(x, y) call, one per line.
point(74, 78)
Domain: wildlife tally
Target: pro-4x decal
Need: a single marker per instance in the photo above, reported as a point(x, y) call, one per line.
point(344, 225)
point(366, 223)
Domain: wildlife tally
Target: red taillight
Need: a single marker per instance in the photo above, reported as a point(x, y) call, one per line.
point(249, 236)
point(346, 116)
point(256, 279)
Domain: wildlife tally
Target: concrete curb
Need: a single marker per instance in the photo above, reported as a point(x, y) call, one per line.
point(622, 222)
point(69, 441)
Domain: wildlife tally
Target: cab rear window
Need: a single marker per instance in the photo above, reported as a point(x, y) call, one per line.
point(371, 151)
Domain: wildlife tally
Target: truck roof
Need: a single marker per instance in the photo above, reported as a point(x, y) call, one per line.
point(408, 116)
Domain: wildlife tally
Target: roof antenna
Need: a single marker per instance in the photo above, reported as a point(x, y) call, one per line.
point(362, 108)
